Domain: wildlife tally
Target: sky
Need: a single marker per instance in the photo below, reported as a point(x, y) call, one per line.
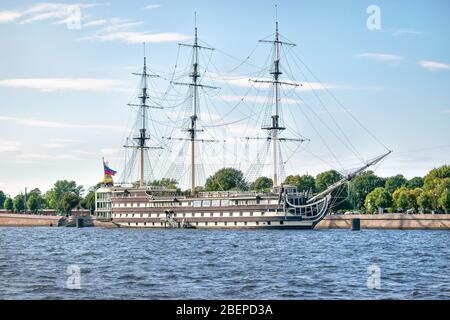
point(65, 81)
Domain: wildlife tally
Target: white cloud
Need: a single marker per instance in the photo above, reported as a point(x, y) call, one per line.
point(138, 37)
point(84, 152)
point(74, 84)
point(95, 23)
point(59, 140)
point(114, 27)
point(108, 151)
point(381, 57)
point(401, 32)
point(29, 122)
point(122, 30)
point(45, 156)
point(152, 6)
point(54, 145)
point(9, 146)
point(47, 11)
point(433, 65)
point(9, 16)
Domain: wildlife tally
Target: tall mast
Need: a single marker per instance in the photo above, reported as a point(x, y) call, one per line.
point(275, 118)
point(193, 129)
point(141, 139)
point(275, 129)
point(194, 84)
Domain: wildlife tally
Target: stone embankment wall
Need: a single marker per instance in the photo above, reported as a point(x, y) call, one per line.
point(29, 220)
point(388, 221)
point(374, 221)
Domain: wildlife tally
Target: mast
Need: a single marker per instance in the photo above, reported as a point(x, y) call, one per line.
point(275, 125)
point(275, 129)
point(141, 139)
point(193, 129)
point(143, 135)
point(194, 84)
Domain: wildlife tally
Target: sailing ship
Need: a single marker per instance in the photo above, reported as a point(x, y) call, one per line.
point(142, 205)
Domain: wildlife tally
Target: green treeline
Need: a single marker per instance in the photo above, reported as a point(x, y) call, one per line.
point(63, 197)
point(366, 193)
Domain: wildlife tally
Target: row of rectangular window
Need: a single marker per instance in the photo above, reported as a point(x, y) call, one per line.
point(197, 203)
point(103, 205)
point(206, 223)
point(184, 215)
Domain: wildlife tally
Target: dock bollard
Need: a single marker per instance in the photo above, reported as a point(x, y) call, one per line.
point(80, 222)
point(356, 224)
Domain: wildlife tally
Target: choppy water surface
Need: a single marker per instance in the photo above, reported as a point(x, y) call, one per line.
point(202, 264)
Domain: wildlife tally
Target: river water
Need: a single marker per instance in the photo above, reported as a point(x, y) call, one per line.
point(96, 263)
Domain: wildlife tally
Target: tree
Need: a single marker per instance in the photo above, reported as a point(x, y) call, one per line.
point(413, 198)
point(416, 182)
point(361, 186)
point(395, 182)
point(54, 196)
point(165, 182)
point(384, 199)
point(326, 179)
point(261, 184)
point(444, 200)
point(35, 200)
point(2, 199)
point(378, 198)
point(434, 178)
point(402, 201)
point(88, 202)
point(19, 204)
point(424, 201)
point(69, 201)
point(226, 179)
point(303, 183)
point(33, 203)
point(8, 204)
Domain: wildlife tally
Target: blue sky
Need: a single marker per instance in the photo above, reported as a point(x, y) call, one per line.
point(64, 90)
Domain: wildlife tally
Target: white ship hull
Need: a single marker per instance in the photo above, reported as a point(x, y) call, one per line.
point(268, 213)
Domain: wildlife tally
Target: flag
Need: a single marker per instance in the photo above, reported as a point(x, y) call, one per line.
point(108, 170)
